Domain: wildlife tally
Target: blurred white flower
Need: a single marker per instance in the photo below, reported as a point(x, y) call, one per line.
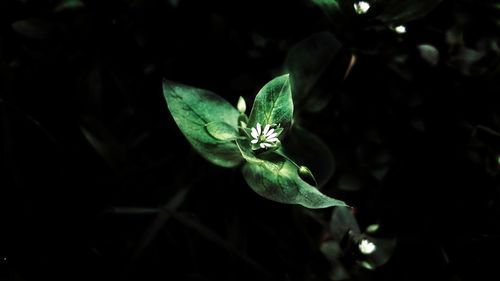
point(361, 7)
point(400, 29)
point(366, 247)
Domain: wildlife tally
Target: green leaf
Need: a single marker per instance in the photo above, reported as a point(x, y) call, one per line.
point(401, 11)
point(372, 228)
point(64, 5)
point(392, 12)
point(247, 153)
point(307, 149)
point(325, 2)
point(342, 222)
point(273, 104)
point(222, 131)
point(429, 53)
point(308, 60)
point(197, 112)
point(317, 66)
point(327, 5)
point(33, 28)
point(276, 178)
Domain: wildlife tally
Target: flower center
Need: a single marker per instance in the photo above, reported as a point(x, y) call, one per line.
point(265, 137)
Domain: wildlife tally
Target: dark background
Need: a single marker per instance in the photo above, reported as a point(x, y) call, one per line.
point(98, 183)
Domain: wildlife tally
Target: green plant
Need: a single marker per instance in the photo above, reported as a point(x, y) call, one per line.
point(227, 137)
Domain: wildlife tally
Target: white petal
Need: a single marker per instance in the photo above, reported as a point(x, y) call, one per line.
point(272, 140)
point(254, 141)
point(366, 247)
point(259, 129)
point(272, 136)
point(361, 7)
point(266, 129)
point(269, 132)
point(400, 29)
point(266, 144)
point(254, 133)
point(262, 145)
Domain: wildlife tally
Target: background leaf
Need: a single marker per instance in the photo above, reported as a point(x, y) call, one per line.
point(343, 221)
point(401, 11)
point(273, 104)
point(80, 87)
point(193, 109)
point(391, 12)
point(329, 7)
point(276, 178)
point(68, 5)
point(305, 148)
point(307, 61)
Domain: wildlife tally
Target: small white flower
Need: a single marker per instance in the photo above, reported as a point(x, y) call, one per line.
point(366, 247)
point(361, 7)
point(264, 138)
point(400, 29)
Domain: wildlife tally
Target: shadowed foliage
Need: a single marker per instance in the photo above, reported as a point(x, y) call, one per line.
point(395, 112)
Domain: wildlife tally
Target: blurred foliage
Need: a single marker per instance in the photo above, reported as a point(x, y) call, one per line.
point(99, 183)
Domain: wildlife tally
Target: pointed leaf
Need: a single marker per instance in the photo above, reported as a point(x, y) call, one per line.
point(192, 109)
point(276, 178)
point(273, 104)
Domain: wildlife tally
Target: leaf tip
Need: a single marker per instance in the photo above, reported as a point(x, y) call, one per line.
point(166, 85)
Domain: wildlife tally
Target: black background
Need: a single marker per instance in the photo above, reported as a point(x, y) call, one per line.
point(91, 157)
